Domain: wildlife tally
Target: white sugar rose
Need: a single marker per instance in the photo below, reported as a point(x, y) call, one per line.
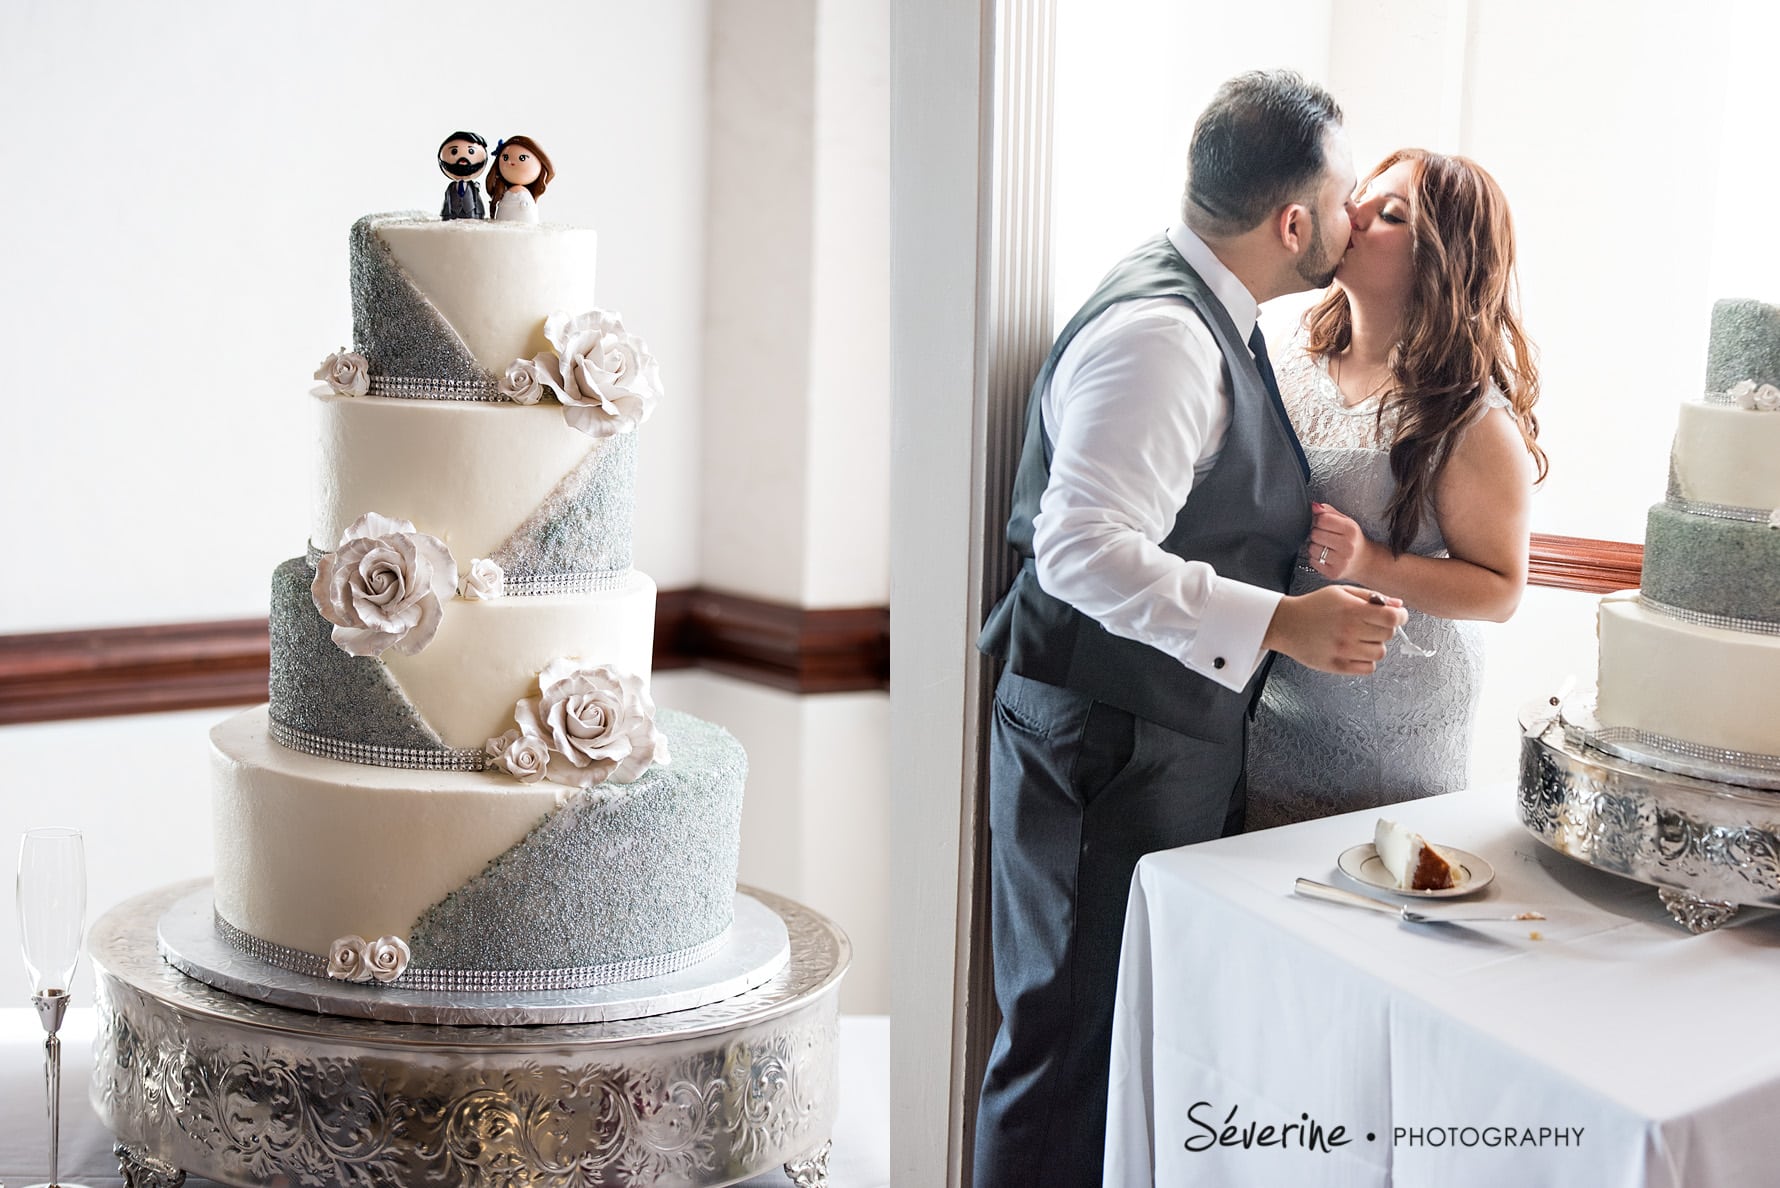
point(486, 580)
point(525, 757)
point(386, 959)
point(383, 586)
point(522, 384)
point(604, 375)
point(346, 959)
point(599, 724)
point(1749, 395)
point(345, 372)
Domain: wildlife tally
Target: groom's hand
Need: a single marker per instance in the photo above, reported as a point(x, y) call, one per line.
point(1335, 629)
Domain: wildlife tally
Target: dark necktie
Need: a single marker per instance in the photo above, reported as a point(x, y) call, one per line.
point(1258, 345)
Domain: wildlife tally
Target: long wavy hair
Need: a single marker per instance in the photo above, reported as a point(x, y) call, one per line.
point(1461, 329)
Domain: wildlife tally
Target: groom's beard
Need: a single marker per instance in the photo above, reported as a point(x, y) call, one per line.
point(1317, 266)
point(461, 168)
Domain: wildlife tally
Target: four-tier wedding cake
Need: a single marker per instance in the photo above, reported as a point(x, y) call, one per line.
point(461, 782)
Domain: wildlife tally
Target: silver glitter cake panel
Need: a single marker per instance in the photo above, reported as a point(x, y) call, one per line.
point(395, 326)
point(1743, 343)
point(755, 950)
point(1583, 729)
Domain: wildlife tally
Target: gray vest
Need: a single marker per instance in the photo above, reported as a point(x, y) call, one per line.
point(1248, 517)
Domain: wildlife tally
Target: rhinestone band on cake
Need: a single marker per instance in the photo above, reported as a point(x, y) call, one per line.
point(1719, 511)
point(377, 754)
point(402, 387)
point(483, 981)
point(537, 585)
point(1659, 750)
point(1706, 619)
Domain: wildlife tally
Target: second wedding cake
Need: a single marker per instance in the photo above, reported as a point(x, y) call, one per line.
point(1690, 661)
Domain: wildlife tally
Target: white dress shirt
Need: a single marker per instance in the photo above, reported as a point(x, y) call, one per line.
point(1136, 412)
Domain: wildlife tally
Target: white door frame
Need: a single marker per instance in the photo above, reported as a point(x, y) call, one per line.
point(970, 325)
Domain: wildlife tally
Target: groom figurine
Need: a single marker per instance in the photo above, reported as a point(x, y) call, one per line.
point(1159, 505)
point(462, 157)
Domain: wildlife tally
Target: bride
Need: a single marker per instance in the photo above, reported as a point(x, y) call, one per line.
point(1412, 388)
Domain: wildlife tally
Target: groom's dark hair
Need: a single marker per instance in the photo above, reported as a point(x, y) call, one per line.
point(1257, 146)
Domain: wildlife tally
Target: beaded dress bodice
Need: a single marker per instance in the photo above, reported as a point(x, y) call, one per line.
point(1322, 743)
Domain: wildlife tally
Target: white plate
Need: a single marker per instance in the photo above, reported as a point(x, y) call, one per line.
point(1362, 864)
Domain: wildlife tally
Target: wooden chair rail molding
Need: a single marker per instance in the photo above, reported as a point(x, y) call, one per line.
point(56, 675)
point(1578, 563)
point(50, 676)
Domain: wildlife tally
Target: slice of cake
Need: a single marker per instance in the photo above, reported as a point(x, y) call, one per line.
point(1412, 860)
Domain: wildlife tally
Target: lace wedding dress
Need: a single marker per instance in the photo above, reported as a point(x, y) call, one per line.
point(1320, 743)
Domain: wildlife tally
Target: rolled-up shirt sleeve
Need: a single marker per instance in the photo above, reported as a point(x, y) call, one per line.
point(1135, 408)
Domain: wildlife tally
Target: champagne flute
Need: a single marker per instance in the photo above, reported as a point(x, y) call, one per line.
point(52, 901)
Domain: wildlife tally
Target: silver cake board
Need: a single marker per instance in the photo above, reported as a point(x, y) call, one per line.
point(755, 949)
point(1583, 726)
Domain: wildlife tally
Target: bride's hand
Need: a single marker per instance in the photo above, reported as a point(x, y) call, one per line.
point(1338, 549)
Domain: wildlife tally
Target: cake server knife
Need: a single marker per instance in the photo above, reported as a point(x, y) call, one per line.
point(1312, 889)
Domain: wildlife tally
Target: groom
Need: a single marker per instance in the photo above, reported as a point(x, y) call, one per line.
point(1159, 505)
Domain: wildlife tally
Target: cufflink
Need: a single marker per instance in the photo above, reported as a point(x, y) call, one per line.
point(1218, 663)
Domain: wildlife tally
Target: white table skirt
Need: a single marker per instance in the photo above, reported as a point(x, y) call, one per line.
point(861, 1157)
point(1655, 1055)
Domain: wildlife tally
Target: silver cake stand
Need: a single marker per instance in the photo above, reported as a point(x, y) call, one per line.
point(192, 1079)
point(1706, 845)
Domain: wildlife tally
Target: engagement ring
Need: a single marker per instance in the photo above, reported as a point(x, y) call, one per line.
point(1322, 558)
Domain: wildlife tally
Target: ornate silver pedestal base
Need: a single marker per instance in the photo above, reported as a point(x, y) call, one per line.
point(142, 1170)
point(1708, 846)
point(1695, 914)
point(194, 1080)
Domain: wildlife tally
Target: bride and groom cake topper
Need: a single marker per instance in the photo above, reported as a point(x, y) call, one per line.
point(521, 171)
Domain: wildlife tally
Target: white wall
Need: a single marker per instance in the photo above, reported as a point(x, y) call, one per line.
point(1131, 77)
point(816, 815)
point(795, 482)
point(183, 181)
point(797, 303)
point(138, 788)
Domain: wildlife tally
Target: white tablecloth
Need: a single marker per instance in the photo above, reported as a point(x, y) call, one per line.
point(1614, 1050)
point(861, 1157)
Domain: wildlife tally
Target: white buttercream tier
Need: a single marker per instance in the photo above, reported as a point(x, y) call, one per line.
point(309, 850)
point(495, 283)
point(471, 474)
point(1727, 456)
point(1707, 686)
point(476, 870)
point(487, 655)
point(463, 685)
